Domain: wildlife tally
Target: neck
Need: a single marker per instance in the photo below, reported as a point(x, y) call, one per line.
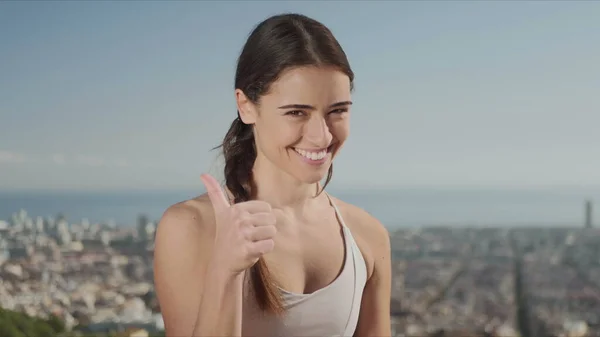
point(279, 188)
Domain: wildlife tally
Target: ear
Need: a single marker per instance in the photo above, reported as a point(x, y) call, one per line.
point(246, 108)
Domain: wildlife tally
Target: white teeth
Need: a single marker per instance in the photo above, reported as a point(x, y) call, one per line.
point(312, 155)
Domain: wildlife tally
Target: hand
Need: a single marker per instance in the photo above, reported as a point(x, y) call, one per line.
point(244, 231)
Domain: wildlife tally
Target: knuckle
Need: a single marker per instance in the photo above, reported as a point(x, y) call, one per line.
point(246, 250)
point(266, 205)
point(253, 250)
point(243, 219)
point(269, 245)
point(245, 234)
point(246, 221)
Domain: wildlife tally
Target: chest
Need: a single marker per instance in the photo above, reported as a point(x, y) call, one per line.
point(308, 256)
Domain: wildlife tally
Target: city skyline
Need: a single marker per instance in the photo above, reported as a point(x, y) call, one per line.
point(133, 95)
point(453, 281)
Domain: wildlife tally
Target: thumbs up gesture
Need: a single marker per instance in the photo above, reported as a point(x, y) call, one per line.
point(244, 231)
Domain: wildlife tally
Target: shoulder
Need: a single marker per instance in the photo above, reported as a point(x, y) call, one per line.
point(191, 219)
point(182, 247)
point(183, 241)
point(374, 241)
point(371, 235)
point(365, 224)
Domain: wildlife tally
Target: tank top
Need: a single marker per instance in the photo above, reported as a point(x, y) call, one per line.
point(327, 312)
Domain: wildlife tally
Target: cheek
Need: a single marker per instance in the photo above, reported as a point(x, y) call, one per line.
point(278, 137)
point(340, 130)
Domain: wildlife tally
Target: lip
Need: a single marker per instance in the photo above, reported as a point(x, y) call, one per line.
point(315, 150)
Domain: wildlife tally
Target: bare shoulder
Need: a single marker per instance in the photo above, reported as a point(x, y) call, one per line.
point(374, 241)
point(365, 224)
point(187, 225)
point(371, 235)
point(183, 243)
point(188, 215)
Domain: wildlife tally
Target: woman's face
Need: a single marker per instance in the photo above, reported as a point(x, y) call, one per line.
point(302, 122)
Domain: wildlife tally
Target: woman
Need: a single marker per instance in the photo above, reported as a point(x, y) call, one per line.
point(272, 254)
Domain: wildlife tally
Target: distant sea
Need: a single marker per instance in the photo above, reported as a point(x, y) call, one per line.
point(400, 208)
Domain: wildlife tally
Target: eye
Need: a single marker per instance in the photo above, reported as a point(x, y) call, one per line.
point(295, 113)
point(339, 111)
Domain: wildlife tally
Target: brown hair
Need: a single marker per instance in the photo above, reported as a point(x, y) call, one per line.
point(275, 44)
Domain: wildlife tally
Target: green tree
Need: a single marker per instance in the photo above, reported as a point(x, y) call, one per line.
point(56, 324)
point(18, 324)
point(7, 328)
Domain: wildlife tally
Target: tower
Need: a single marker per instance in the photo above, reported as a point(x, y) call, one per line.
point(142, 221)
point(588, 214)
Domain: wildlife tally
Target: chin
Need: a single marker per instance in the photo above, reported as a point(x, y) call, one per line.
point(314, 178)
point(311, 175)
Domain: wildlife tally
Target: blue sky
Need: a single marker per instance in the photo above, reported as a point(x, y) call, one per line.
point(109, 95)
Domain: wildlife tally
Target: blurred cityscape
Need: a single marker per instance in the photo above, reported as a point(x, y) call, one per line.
point(447, 281)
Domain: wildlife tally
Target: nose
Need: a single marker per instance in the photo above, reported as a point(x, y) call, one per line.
point(317, 131)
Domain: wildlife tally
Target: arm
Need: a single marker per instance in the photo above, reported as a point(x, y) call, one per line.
point(374, 318)
point(195, 296)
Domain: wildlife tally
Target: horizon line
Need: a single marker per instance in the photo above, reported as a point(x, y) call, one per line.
point(346, 188)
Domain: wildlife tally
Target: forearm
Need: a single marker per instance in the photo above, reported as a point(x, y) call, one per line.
point(220, 312)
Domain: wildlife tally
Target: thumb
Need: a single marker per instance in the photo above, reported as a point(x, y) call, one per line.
point(215, 192)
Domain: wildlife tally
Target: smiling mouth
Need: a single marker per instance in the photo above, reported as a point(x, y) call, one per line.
point(314, 154)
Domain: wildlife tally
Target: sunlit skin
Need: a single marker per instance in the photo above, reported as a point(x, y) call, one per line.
point(306, 108)
point(309, 108)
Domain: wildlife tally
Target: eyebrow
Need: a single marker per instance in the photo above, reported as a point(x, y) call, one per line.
point(310, 107)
